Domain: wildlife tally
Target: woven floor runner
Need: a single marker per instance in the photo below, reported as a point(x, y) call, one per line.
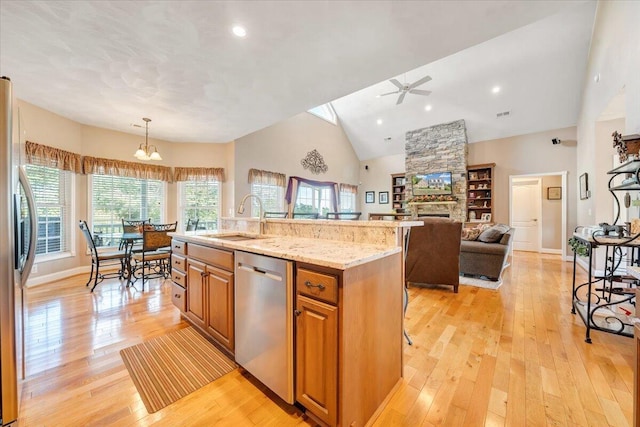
point(170, 367)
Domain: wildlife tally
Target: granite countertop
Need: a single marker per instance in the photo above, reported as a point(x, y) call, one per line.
point(327, 253)
point(350, 223)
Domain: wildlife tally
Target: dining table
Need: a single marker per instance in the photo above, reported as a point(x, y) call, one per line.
point(128, 241)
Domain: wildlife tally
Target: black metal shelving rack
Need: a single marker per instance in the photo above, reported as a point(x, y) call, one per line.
point(601, 301)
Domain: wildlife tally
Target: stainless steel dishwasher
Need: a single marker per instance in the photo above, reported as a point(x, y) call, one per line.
point(264, 320)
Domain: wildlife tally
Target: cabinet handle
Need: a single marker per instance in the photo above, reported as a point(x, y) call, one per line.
point(177, 296)
point(203, 274)
point(176, 262)
point(320, 286)
point(297, 312)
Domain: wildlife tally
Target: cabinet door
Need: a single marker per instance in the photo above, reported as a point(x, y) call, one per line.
point(317, 358)
point(196, 281)
point(220, 313)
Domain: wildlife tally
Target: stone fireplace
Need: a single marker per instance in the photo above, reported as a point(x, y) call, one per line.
point(439, 148)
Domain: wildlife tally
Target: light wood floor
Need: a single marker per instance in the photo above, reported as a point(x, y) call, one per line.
point(511, 357)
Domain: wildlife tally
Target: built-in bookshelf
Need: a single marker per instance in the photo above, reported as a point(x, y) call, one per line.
point(480, 193)
point(398, 184)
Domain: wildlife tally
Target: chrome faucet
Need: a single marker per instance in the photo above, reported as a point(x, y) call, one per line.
point(260, 212)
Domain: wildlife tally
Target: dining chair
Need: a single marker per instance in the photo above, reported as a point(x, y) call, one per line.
point(154, 260)
point(305, 215)
point(132, 226)
point(103, 259)
point(344, 215)
point(192, 224)
point(276, 215)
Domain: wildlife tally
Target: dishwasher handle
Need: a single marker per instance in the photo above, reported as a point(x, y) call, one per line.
point(256, 270)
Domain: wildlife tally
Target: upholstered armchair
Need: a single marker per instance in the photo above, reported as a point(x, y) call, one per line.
point(433, 253)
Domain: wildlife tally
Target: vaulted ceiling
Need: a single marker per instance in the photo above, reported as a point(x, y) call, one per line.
point(110, 63)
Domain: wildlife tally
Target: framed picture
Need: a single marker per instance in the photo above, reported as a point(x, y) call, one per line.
point(369, 196)
point(383, 197)
point(554, 193)
point(584, 186)
point(485, 217)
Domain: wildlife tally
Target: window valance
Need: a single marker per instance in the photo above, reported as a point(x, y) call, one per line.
point(257, 176)
point(199, 174)
point(349, 188)
point(100, 166)
point(43, 155)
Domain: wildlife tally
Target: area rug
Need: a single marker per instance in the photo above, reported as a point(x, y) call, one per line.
point(480, 283)
point(170, 367)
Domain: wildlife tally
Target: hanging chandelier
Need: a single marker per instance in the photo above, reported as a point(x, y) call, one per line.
point(146, 151)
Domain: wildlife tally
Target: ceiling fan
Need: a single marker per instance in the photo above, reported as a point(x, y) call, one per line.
point(404, 89)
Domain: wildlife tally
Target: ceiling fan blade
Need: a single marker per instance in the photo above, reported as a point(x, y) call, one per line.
point(420, 82)
point(389, 93)
point(401, 98)
point(420, 92)
point(396, 83)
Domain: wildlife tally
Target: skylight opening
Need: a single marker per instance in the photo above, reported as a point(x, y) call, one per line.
point(325, 112)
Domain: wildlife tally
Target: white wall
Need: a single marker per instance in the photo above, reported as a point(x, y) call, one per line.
point(378, 178)
point(614, 57)
point(281, 147)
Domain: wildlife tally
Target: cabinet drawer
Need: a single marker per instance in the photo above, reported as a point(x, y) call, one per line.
point(179, 277)
point(321, 286)
point(179, 297)
point(178, 263)
point(213, 256)
point(178, 247)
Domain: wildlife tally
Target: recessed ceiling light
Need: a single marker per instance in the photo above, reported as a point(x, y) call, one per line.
point(428, 108)
point(379, 121)
point(239, 31)
point(495, 89)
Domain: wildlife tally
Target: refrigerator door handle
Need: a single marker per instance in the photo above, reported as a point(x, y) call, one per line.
point(33, 217)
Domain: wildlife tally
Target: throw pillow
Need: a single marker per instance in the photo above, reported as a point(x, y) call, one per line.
point(470, 233)
point(494, 233)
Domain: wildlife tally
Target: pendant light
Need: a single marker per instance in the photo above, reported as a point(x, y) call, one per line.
point(146, 151)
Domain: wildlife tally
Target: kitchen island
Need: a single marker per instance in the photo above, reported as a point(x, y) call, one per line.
point(345, 310)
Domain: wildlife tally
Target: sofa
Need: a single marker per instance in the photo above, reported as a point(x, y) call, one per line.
point(433, 253)
point(488, 259)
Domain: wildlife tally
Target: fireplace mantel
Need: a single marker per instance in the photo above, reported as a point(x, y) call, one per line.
point(416, 207)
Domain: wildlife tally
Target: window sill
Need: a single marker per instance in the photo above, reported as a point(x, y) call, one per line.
point(53, 257)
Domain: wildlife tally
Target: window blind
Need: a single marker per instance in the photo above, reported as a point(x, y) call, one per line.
point(200, 200)
point(52, 190)
point(114, 198)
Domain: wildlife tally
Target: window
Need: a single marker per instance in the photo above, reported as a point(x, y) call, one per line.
point(314, 199)
point(325, 112)
point(347, 201)
point(114, 198)
point(201, 200)
point(272, 198)
point(52, 190)
point(269, 186)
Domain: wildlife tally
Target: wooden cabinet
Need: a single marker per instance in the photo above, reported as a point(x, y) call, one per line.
point(317, 344)
point(220, 306)
point(317, 358)
point(196, 290)
point(398, 183)
point(179, 274)
point(348, 339)
point(480, 192)
point(210, 292)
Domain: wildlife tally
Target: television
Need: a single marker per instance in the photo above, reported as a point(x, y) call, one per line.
point(432, 184)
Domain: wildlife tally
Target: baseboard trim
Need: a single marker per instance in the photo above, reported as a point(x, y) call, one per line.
point(58, 275)
point(551, 251)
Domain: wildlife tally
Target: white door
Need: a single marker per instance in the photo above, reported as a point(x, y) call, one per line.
point(525, 215)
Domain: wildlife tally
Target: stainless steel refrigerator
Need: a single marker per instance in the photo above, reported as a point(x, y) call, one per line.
point(17, 252)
